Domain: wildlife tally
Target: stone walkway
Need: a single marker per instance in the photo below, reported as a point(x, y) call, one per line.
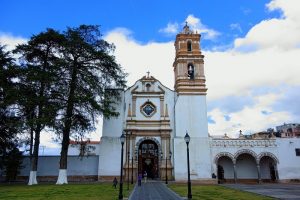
point(278, 191)
point(153, 190)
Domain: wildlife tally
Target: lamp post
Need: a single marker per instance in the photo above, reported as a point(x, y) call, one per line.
point(131, 169)
point(128, 170)
point(122, 139)
point(166, 169)
point(128, 146)
point(187, 140)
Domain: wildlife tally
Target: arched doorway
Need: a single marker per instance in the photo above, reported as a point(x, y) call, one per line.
point(225, 167)
point(268, 169)
point(225, 170)
point(246, 168)
point(148, 159)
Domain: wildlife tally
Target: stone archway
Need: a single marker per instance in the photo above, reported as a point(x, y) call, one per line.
point(268, 167)
point(247, 166)
point(148, 159)
point(225, 167)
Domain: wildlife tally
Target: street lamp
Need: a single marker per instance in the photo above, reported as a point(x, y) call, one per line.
point(131, 168)
point(187, 141)
point(128, 146)
point(166, 169)
point(122, 139)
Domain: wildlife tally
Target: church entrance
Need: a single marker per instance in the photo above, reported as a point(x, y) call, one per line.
point(148, 159)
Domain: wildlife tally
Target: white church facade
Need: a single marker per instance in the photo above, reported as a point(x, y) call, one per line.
point(156, 119)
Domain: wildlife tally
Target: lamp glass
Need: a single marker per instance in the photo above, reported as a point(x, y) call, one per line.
point(122, 138)
point(187, 138)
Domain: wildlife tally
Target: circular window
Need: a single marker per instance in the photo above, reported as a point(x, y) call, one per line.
point(148, 109)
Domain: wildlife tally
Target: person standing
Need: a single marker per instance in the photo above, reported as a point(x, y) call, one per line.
point(145, 176)
point(115, 182)
point(139, 179)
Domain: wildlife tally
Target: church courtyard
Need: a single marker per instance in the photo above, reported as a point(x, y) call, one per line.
point(105, 191)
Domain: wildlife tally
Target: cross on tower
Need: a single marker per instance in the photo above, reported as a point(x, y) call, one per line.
point(148, 74)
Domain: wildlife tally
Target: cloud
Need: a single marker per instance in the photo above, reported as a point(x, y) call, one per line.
point(196, 25)
point(11, 41)
point(250, 119)
point(280, 33)
point(138, 58)
point(171, 29)
point(236, 26)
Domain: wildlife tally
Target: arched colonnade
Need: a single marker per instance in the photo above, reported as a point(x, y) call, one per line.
point(246, 166)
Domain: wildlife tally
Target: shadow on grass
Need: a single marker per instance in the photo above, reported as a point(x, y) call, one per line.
point(103, 191)
point(215, 192)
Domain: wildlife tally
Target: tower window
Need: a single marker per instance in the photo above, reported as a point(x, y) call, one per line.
point(148, 86)
point(191, 71)
point(189, 46)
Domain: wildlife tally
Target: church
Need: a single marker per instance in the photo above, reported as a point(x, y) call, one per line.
point(155, 120)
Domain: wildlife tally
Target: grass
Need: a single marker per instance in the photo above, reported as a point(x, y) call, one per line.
point(215, 192)
point(101, 191)
point(105, 191)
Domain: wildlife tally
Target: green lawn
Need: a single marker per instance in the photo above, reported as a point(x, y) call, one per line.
point(105, 191)
point(215, 192)
point(101, 191)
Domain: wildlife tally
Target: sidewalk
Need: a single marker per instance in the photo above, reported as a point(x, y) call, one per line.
point(153, 190)
point(278, 190)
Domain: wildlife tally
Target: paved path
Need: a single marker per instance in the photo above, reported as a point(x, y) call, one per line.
point(153, 190)
point(279, 191)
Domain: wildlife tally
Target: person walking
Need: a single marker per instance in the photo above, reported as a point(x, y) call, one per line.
point(115, 183)
point(145, 176)
point(139, 179)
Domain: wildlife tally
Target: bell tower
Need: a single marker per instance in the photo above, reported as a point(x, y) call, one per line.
point(190, 108)
point(188, 64)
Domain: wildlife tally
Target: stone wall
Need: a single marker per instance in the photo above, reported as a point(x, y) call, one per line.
point(79, 169)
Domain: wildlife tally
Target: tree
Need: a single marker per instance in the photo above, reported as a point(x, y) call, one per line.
point(38, 99)
point(89, 68)
point(9, 121)
point(13, 163)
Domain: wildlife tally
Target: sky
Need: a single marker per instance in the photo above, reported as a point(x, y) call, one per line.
point(251, 50)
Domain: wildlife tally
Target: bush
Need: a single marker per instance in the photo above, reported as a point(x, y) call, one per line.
point(13, 164)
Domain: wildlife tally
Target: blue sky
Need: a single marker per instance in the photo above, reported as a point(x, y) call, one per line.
point(251, 49)
point(143, 18)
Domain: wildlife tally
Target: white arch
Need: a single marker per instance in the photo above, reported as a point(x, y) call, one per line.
point(246, 151)
point(267, 154)
point(137, 145)
point(223, 154)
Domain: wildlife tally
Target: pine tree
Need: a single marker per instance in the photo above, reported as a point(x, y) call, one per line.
point(9, 121)
point(38, 92)
point(89, 68)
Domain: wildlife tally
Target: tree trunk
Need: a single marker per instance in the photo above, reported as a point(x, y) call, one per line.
point(34, 160)
point(62, 176)
point(31, 144)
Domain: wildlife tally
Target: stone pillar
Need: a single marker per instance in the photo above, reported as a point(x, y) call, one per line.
point(276, 173)
point(134, 160)
point(161, 106)
point(133, 106)
point(258, 173)
point(234, 173)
